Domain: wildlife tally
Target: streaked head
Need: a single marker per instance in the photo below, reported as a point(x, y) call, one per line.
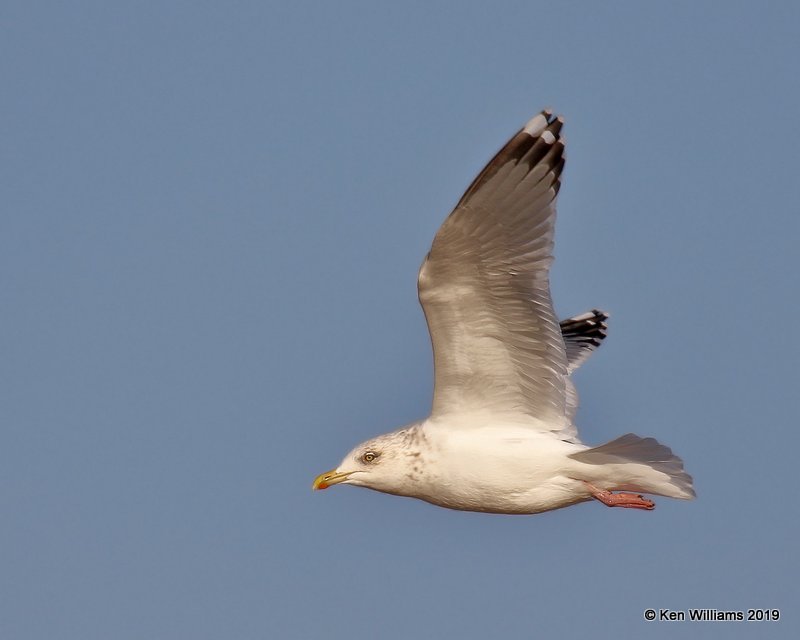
point(386, 463)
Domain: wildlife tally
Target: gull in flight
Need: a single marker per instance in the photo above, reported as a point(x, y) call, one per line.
point(501, 436)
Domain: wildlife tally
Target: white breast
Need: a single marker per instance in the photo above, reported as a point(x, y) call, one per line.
point(503, 469)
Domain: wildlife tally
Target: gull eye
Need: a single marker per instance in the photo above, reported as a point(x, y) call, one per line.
point(369, 456)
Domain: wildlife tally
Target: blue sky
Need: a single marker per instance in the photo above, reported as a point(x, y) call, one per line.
point(212, 217)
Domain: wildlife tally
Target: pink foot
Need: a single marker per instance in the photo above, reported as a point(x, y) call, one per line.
point(622, 499)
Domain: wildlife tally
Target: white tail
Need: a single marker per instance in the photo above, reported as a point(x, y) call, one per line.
point(648, 452)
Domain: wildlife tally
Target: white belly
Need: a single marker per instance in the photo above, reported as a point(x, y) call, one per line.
point(514, 470)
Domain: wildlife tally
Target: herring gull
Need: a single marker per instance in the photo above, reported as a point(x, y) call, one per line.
point(501, 436)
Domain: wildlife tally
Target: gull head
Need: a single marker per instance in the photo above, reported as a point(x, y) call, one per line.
point(388, 463)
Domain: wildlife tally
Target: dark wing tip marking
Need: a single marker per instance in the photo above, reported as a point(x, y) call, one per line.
point(538, 141)
point(589, 327)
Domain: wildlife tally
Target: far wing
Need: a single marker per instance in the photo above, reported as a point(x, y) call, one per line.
point(582, 335)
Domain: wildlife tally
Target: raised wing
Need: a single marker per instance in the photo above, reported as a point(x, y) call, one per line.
point(582, 335)
point(485, 289)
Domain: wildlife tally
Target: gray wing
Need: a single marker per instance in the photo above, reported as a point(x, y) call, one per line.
point(484, 287)
point(582, 335)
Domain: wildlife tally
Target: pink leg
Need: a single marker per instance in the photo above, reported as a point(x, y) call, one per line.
point(622, 499)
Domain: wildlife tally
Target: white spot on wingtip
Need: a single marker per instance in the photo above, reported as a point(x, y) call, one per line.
point(535, 125)
point(548, 137)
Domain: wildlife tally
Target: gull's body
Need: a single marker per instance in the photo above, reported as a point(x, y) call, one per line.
point(501, 436)
point(512, 470)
